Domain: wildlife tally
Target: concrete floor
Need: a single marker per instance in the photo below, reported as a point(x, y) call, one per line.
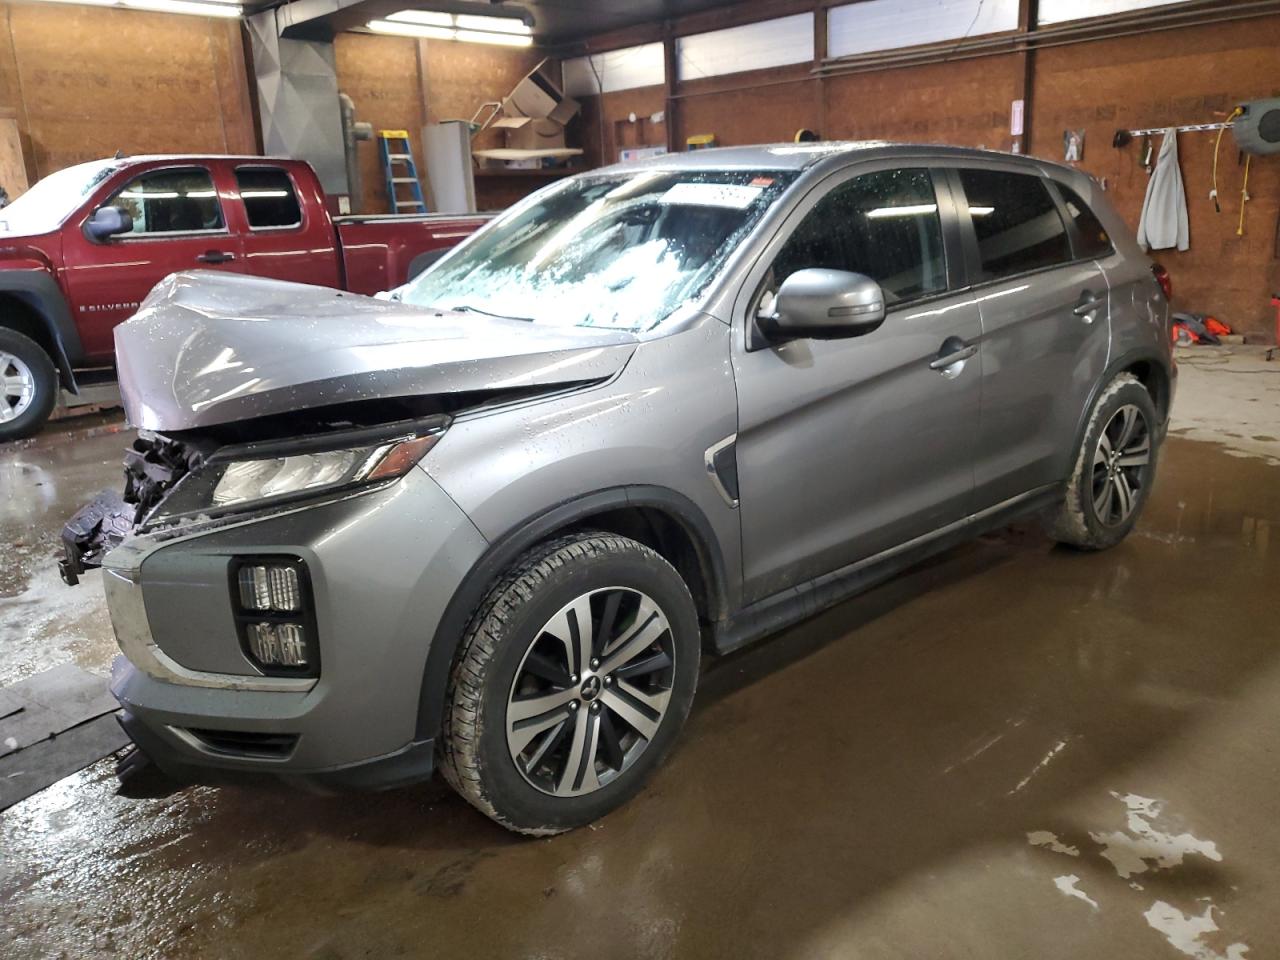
point(1014, 751)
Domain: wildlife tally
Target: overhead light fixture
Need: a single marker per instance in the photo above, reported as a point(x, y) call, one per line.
point(199, 8)
point(468, 28)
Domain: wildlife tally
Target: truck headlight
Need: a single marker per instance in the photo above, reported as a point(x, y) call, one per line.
point(248, 476)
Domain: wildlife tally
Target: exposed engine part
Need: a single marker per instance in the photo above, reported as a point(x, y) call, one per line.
point(152, 465)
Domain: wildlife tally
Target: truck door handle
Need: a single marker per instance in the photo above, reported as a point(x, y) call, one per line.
point(953, 357)
point(215, 256)
point(1088, 306)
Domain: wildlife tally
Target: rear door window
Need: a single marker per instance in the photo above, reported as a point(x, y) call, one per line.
point(1092, 240)
point(1016, 222)
point(270, 200)
point(171, 201)
point(883, 225)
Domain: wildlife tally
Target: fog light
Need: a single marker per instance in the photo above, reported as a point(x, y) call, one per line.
point(277, 644)
point(270, 587)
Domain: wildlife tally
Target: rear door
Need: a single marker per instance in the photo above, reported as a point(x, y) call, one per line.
point(1045, 328)
point(848, 447)
point(283, 236)
point(179, 223)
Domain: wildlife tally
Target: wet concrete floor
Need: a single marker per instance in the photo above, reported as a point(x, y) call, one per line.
point(1014, 751)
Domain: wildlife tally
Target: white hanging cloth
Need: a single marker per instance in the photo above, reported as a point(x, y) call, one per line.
point(1164, 211)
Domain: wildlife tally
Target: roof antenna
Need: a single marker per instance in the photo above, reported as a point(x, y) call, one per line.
point(119, 155)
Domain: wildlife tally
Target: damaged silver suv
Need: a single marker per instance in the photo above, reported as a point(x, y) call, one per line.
point(492, 522)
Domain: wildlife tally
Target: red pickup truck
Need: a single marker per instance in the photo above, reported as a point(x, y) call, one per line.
point(82, 247)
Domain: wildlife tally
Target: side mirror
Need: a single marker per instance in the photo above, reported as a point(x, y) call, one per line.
point(825, 305)
point(108, 222)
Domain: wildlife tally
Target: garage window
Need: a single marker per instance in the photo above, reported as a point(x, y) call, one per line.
point(883, 225)
point(171, 201)
point(270, 200)
point(1016, 221)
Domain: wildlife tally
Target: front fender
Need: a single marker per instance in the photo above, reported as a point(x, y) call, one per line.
point(32, 282)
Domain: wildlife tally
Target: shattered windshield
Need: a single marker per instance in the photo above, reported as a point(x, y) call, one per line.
point(620, 251)
point(46, 205)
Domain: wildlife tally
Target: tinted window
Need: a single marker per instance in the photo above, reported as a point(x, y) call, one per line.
point(171, 201)
point(269, 198)
point(1017, 222)
point(884, 225)
point(1091, 236)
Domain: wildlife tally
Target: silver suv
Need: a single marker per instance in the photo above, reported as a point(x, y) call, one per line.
point(492, 521)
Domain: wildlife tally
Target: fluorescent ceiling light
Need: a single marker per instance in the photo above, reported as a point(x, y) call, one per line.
point(214, 8)
point(400, 25)
point(429, 17)
point(411, 30)
point(468, 21)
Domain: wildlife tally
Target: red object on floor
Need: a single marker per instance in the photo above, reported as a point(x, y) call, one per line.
point(1216, 327)
point(1275, 302)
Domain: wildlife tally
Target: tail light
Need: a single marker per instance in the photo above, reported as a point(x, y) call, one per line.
point(1163, 278)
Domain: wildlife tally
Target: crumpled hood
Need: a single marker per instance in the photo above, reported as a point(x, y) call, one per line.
point(208, 348)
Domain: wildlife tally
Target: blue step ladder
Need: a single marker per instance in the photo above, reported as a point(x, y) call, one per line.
point(400, 171)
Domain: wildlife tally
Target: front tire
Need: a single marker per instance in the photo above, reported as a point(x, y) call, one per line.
point(1114, 469)
point(573, 681)
point(28, 386)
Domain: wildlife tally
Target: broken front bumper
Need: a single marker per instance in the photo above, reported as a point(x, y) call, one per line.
point(382, 564)
point(97, 528)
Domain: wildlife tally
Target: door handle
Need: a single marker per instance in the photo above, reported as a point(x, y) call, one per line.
point(954, 357)
point(215, 256)
point(1088, 306)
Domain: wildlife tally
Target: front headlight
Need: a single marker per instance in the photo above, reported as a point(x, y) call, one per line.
point(253, 475)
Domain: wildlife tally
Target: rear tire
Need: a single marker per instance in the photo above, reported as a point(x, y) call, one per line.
point(1113, 471)
point(549, 727)
point(28, 386)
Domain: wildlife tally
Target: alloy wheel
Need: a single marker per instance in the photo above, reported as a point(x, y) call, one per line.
point(590, 692)
point(1120, 464)
point(17, 387)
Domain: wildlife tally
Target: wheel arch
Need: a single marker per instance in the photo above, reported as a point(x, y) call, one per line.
point(667, 521)
point(1152, 372)
point(31, 303)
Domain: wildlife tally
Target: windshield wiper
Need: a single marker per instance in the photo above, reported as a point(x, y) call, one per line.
point(467, 308)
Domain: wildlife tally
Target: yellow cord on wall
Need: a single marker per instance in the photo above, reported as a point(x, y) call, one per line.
point(1244, 195)
point(1217, 143)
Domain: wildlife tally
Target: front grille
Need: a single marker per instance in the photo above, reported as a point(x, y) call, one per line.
point(242, 743)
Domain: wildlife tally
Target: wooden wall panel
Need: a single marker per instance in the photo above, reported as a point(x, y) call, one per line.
point(964, 103)
point(381, 75)
point(740, 114)
point(1179, 76)
point(603, 141)
point(85, 82)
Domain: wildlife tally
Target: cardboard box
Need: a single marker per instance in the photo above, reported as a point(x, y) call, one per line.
point(537, 97)
point(527, 133)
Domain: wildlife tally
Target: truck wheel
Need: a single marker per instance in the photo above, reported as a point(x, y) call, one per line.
point(28, 386)
point(572, 683)
point(1113, 471)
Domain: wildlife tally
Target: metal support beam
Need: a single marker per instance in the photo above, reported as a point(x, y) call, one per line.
point(298, 100)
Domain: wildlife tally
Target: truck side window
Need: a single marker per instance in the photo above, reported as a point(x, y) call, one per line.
point(1017, 222)
point(1092, 237)
point(883, 225)
point(171, 201)
point(269, 197)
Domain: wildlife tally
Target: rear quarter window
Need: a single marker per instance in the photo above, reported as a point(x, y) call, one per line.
point(1091, 240)
point(270, 199)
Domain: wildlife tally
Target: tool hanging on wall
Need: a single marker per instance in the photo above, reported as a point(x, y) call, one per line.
point(1217, 145)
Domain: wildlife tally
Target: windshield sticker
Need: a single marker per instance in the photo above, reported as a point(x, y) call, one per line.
point(711, 195)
